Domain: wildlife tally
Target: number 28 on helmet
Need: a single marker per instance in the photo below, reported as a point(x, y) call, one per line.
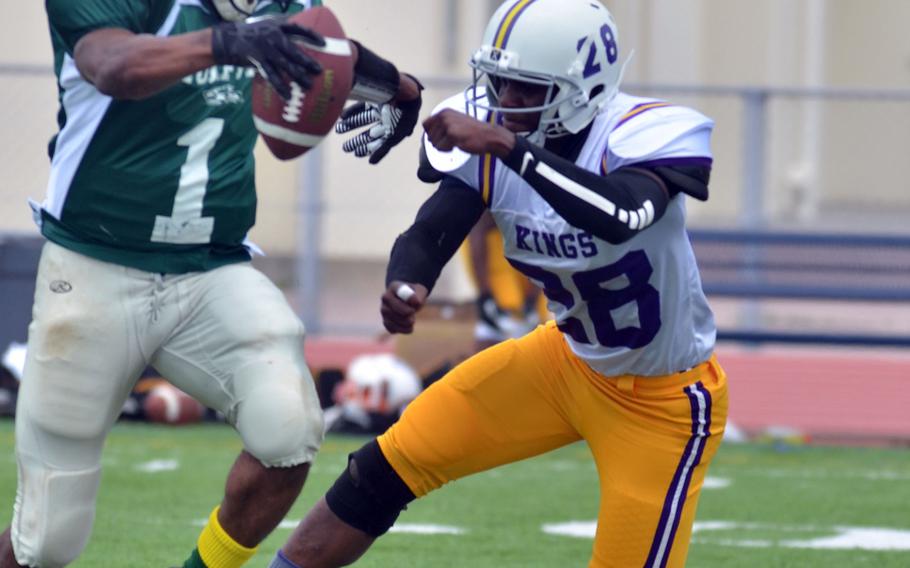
point(569, 46)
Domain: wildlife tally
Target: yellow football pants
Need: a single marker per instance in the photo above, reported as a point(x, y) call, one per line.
point(652, 438)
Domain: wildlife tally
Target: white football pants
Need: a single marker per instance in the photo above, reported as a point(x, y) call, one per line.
point(227, 337)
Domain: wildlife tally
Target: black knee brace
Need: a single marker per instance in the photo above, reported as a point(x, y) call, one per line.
point(369, 495)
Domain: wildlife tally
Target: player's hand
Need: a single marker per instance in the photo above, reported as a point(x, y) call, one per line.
point(450, 129)
point(386, 124)
point(268, 44)
point(400, 304)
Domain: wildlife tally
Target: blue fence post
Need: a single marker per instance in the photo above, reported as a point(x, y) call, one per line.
point(309, 265)
point(752, 215)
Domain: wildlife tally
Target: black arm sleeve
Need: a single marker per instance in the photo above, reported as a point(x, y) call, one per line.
point(375, 79)
point(614, 207)
point(442, 223)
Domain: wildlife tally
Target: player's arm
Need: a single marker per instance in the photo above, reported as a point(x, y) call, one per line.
point(421, 252)
point(614, 207)
point(127, 65)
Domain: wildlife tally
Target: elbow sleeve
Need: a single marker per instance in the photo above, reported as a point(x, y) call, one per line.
point(443, 221)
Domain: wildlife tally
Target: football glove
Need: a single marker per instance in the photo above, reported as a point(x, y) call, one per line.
point(268, 44)
point(388, 124)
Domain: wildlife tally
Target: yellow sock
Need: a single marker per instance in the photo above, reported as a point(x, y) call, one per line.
point(218, 550)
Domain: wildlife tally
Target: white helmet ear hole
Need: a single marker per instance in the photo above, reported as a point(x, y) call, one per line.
point(580, 100)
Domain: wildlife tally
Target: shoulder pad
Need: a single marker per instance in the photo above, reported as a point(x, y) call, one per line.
point(660, 133)
point(456, 163)
point(425, 170)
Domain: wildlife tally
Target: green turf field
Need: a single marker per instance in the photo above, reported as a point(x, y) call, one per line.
point(806, 507)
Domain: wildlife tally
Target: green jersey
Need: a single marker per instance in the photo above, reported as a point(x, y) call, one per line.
point(164, 184)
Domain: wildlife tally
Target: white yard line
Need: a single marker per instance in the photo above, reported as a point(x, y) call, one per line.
point(881, 475)
point(716, 483)
point(840, 537)
point(157, 466)
point(421, 528)
point(401, 528)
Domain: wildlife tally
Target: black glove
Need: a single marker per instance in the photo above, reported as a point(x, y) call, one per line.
point(389, 124)
point(269, 46)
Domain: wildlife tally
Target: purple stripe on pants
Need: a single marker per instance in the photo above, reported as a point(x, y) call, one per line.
point(700, 404)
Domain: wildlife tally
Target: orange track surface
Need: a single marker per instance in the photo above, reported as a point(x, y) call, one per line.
point(824, 393)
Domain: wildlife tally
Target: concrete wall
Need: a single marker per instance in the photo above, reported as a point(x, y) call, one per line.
point(28, 106)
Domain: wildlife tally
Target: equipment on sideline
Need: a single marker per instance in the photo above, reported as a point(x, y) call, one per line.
point(293, 126)
point(167, 404)
point(379, 383)
point(375, 390)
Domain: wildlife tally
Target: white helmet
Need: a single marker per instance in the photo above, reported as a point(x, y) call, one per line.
point(380, 383)
point(571, 46)
point(234, 10)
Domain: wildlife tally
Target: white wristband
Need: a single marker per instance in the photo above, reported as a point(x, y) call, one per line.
point(405, 292)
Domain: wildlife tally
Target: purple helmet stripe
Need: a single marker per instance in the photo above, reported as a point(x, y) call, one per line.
point(505, 40)
point(508, 23)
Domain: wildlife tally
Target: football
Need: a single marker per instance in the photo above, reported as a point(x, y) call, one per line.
point(167, 404)
point(292, 127)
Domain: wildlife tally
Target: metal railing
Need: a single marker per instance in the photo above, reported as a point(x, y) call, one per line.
point(810, 267)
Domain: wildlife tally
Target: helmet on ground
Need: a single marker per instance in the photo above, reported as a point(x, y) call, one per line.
point(380, 383)
point(569, 46)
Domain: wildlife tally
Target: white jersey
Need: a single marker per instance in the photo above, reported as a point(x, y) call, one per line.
point(633, 308)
